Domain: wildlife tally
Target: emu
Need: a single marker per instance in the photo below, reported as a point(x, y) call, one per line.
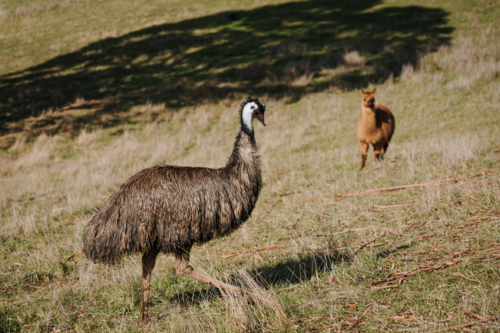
point(168, 209)
point(376, 126)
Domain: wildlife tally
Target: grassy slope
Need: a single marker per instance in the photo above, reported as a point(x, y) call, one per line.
point(284, 50)
point(447, 127)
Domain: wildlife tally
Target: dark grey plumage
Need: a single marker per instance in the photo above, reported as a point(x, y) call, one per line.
point(169, 208)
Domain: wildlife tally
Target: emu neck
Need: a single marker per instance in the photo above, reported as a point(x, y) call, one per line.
point(244, 154)
point(246, 122)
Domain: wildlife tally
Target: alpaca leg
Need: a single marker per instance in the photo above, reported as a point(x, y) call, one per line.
point(364, 153)
point(377, 150)
point(386, 146)
point(148, 263)
point(184, 269)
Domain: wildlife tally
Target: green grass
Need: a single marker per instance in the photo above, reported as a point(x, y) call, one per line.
point(129, 84)
point(284, 50)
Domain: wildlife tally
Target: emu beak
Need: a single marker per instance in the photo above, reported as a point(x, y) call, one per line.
point(260, 117)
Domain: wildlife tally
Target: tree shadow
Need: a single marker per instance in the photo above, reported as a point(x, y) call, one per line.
point(282, 51)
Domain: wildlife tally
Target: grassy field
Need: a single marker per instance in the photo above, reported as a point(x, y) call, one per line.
point(92, 91)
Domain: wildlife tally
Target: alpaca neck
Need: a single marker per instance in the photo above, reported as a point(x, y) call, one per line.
point(368, 113)
point(367, 109)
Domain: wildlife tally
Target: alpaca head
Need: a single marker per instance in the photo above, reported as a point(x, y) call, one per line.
point(368, 98)
point(251, 108)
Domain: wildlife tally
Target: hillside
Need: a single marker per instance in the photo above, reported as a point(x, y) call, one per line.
point(93, 91)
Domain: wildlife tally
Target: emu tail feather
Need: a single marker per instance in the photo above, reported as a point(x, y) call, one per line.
point(108, 236)
point(101, 241)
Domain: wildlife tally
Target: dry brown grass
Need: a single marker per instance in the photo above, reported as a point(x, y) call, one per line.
point(309, 152)
point(473, 59)
point(354, 58)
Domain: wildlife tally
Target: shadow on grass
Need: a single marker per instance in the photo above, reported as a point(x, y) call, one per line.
point(287, 272)
point(189, 298)
point(386, 253)
point(9, 321)
point(282, 51)
point(292, 271)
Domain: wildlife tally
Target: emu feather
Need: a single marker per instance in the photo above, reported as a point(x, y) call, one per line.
point(168, 208)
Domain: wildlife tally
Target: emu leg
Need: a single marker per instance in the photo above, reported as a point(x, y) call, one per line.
point(184, 269)
point(364, 153)
point(148, 263)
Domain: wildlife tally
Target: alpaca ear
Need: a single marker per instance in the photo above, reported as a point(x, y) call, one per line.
point(362, 90)
point(374, 90)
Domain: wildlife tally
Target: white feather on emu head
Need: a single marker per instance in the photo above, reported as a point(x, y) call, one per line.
point(251, 108)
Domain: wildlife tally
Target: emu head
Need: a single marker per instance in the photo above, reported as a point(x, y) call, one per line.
point(251, 108)
point(368, 98)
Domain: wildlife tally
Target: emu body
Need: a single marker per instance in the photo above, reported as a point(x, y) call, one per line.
point(376, 126)
point(169, 208)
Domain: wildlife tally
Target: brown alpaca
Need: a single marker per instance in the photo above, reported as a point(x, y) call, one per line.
point(169, 208)
point(375, 127)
